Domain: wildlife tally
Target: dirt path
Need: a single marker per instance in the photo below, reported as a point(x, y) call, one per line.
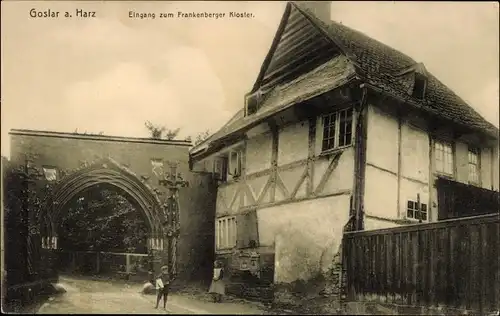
point(88, 296)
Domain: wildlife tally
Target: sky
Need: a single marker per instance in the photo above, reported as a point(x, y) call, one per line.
point(112, 73)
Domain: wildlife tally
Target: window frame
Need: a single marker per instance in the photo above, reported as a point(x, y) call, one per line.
point(226, 234)
point(46, 169)
point(415, 209)
point(238, 152)
point(336, 133)
point(222, 171)
point(225, 156)
point(477, 152)
point(444, 144)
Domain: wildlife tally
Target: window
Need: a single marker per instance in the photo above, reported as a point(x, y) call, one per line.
point(157, 165)
point(220, 168)
point(225, 232)
point(228, 164)
point(50, 173)
point(416, 211)
point(419, 86)
point(444, 157)
point(49, 242)
point(155, 243)
point(473, 157)
point(252, 102)
point(235, 163)
point(337, 129)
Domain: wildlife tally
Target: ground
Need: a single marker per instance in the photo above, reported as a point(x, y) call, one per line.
point(93, 297)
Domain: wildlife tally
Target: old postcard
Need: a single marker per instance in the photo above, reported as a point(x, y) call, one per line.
point(250, 157)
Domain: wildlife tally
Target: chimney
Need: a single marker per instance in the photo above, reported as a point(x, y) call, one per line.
point(322, 9)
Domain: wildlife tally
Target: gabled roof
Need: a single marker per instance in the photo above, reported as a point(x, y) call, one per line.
point(380, 66)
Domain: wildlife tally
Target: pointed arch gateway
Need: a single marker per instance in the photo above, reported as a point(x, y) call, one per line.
point(108, 172)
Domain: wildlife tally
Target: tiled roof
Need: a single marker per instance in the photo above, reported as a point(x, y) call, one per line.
point(378, 63)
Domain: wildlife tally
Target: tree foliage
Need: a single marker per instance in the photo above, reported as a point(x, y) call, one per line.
point(22, 204)
point(161, 132)
point(103, 220)
point(201, 137)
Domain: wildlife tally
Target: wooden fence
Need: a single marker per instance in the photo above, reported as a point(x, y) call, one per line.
point(104, 262)
point(452, 263)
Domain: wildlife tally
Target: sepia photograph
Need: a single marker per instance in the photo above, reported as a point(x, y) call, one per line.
point(250, 157)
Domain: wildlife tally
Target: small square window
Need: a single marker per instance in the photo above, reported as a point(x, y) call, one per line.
point(50, 173)
point(416, 211)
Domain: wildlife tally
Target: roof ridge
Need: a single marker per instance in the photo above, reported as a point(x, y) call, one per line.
point(323, 24)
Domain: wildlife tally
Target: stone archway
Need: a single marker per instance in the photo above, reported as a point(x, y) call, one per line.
point(109, 172)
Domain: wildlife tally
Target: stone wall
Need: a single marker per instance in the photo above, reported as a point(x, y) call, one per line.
point(321, 291)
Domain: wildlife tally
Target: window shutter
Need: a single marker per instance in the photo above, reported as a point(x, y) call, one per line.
point(224, 162)
point(241, 235)
point(240, 162)
point(253, 231)
point(247, 230)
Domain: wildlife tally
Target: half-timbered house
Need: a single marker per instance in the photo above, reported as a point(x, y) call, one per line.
point(339, 126)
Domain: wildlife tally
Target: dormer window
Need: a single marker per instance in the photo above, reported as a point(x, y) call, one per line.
point(252, 102)
point(416, 73)
point(419, 86)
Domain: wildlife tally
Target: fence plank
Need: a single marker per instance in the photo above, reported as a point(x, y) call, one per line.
point(494, 266)
point(475, 267)
point(400, 265)
point(405, 268)
point(452, 270)
point(387, 268)
point(433, 272)
point(362, 271)
point(483, 264)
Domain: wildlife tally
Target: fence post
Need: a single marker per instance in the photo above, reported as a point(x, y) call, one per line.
point(98, 262)
point(73, 261)
point(128, 263)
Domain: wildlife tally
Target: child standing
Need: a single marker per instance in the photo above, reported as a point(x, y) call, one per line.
point(162, 286)
point(217, 288)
